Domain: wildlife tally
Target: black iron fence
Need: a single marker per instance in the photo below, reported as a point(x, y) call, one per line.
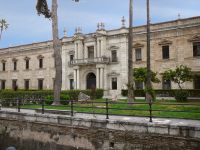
point(18, 102)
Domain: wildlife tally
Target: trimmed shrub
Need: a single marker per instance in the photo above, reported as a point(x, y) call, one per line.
point(181, 96)
point(62, 97)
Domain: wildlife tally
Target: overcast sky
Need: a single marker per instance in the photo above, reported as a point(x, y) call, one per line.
point(26, 25)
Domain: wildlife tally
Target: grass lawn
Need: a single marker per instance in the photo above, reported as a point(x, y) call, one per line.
point(134, 112)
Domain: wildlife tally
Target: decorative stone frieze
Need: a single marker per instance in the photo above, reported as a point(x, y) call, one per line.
point(27, 58)
point(112, 47)
point(71, 75)
point(71, 52)
point(3, 60)
point(53, 55)
point(40, 56)
point(137, 45)
point(14, 59)
point(194, 38)
point(113, 73)
point(165, 42)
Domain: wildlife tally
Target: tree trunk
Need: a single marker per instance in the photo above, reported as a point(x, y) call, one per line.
point(130, 56)
point(57, 55)
point(148, 96)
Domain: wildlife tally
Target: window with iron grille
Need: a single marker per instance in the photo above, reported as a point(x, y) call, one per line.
point(139, 85)
point(165, 50)
point(27, 64)
point(15, 65)
point(114, 56)
point(138, 54)
point(4, 66)
point(166, 84)
point(114, 83)
point(71, 84)
point(3, 84)
point(27, 84)
point(197, 83)
point(196, 49)
point(40, 63)
point(14, 83)
point(40, 84)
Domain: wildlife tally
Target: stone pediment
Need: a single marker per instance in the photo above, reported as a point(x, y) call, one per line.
point(14, 59)
point(165, 42)
point(113, 73)
point(71, 52)
point(112, 47)
point(137, 44)
point(3, 60)
point(27, 58)
point(71, 75)
point(90, 39)
point(40, 56)
point(78, 36)
point(195, 38)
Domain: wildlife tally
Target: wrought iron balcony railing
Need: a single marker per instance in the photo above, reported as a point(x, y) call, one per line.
point(100, 60)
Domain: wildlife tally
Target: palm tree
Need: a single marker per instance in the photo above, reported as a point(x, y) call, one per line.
point(130, 97)
point(3, 24)
point(148, 96)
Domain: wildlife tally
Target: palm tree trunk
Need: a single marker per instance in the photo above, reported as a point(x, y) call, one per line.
point(58, 61)
point(148, 96)
point(130, 56)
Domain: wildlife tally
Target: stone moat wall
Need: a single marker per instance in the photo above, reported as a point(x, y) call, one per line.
point(52, 132)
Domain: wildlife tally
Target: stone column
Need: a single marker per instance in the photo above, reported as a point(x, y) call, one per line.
point(99, 52)
point(97, 48)
point(97, 77)
point(76, 51)
point(78, 79)
point(102, 48)
point(101, 78)
point(75, 78)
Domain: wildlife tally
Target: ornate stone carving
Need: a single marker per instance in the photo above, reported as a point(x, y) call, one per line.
point(137, 44)
point(113, 47)
point(27, 58)
point(113, 73)
point(14, 59)
point(53, 55)
point(194, 38)
point(71, 75)
point(71, 52)
point(3, 60)
point(40, 56)
point(90, 39)
point(165, 42)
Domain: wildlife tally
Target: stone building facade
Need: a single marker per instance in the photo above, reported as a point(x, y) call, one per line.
point(101, 58)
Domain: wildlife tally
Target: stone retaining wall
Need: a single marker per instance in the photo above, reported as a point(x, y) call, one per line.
point(51, 132)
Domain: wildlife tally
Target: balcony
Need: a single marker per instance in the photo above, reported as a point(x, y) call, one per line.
point(87, 61)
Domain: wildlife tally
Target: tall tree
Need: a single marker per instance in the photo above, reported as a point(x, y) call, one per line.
point(148, 95)
point(3, 25)
point(42, 8)
point(130, 57)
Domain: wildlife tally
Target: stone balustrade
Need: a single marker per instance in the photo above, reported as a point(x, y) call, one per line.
point(101, 60)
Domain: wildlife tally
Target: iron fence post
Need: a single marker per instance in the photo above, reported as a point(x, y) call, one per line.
point(42, 105)
point(150, 110)
point(72, 107)
point(0, 102)
point(107, 108)
point(19, 104)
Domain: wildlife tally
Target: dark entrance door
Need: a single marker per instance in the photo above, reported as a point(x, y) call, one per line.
point(91, 79)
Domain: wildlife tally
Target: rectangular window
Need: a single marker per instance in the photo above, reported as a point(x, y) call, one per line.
point(40, 84)
point(138, 54)
point(27, 64)
point(4, 66)
point(14, 83)
point(196, 49)
point(166, 84)
point(114, 56)
point(15, 65)
point(3, 84)
point(139, 85)
point(71, 59)
point(197, 83)
point(114, 83)
point(27, 84)
point(165, 50)
point(40, 63)
point(91, 52)
point(71, 84)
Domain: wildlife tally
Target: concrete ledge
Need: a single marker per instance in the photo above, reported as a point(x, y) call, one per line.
point(55, 111)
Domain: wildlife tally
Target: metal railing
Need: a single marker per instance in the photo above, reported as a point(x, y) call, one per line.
point(85, 61)
point(41, 102)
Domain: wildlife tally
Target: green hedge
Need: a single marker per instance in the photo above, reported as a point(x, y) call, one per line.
point(164, 93)
point(40, 94)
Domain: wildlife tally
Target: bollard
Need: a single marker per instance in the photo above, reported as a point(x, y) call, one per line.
point(107, 108)
point(150, 110)
point(19, 104)
point(72, 107)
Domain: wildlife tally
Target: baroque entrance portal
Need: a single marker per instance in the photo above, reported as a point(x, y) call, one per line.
point(91, 79)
